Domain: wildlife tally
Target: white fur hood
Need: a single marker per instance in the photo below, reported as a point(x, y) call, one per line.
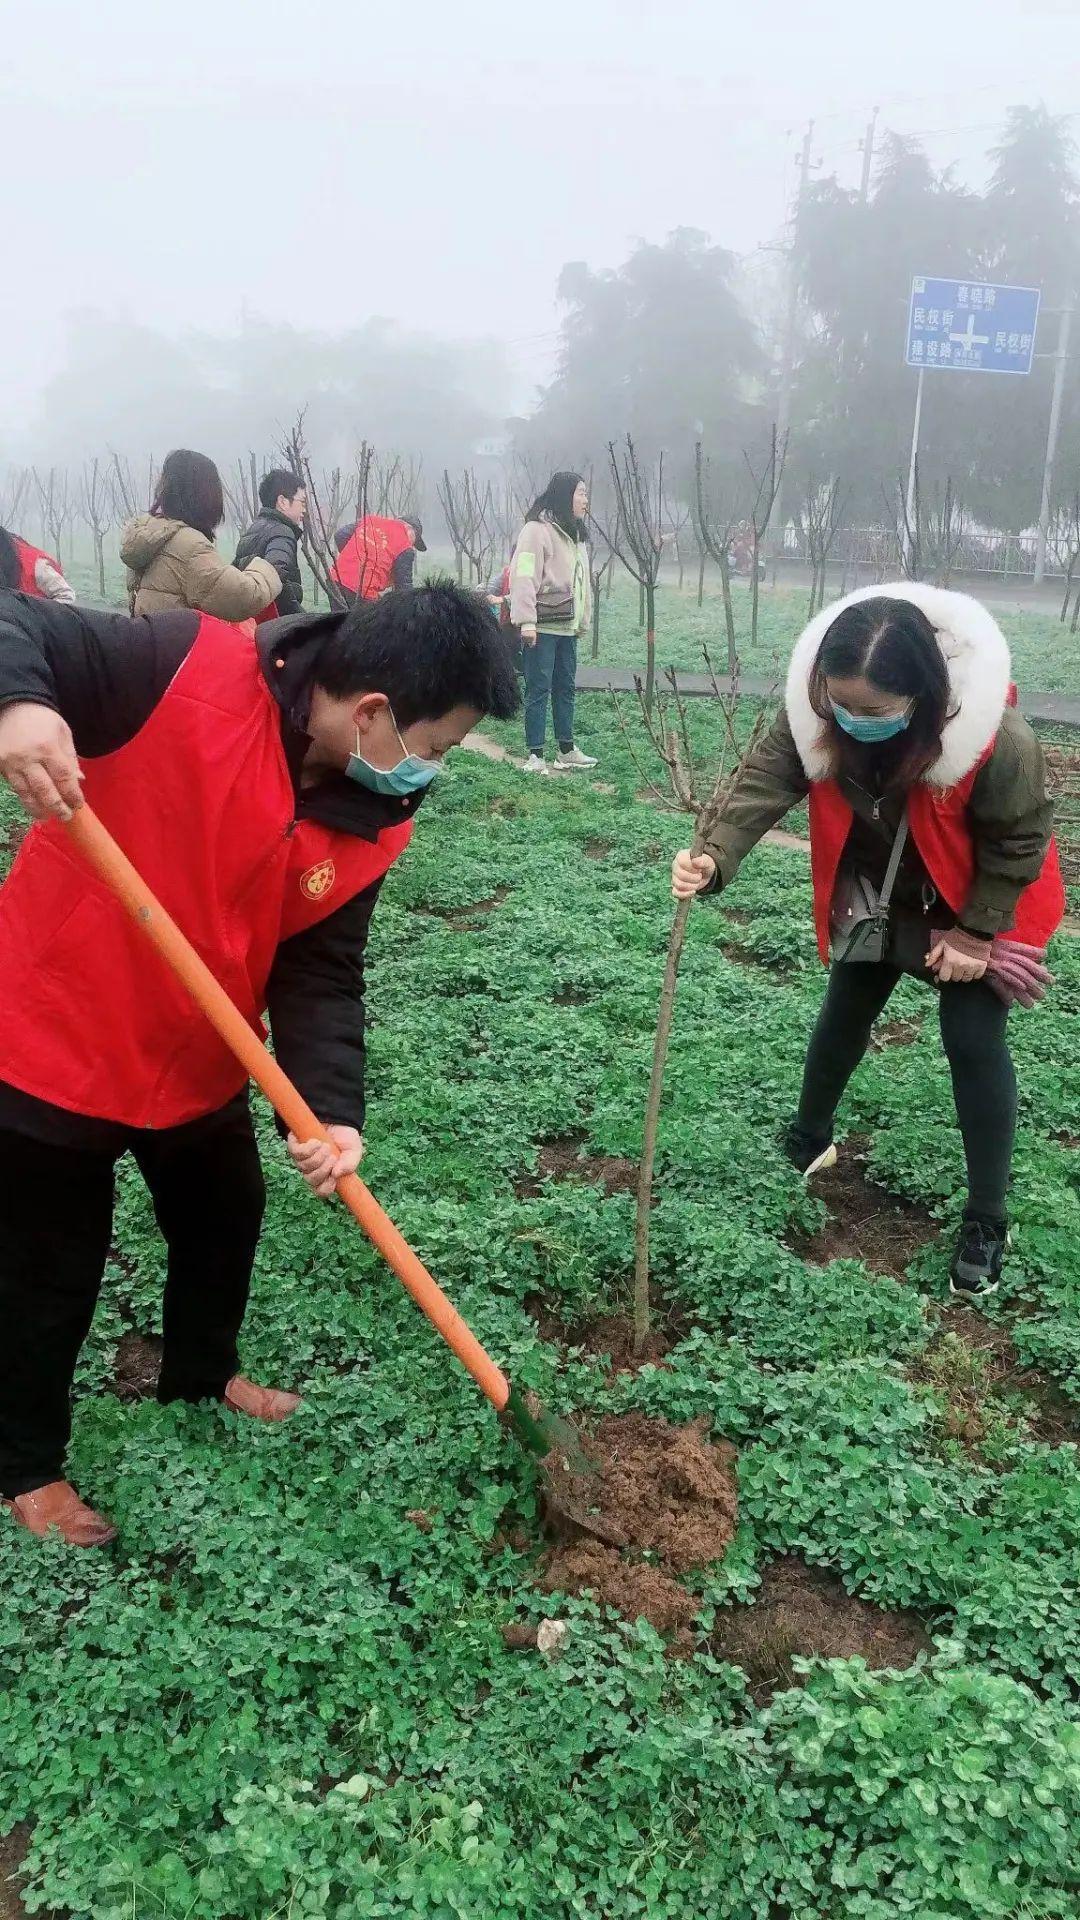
point(976, 654)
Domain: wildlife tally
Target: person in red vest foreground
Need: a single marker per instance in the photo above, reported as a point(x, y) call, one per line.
point(27, 569)
point(899, 723)
point(262, 786)
point(377, 553)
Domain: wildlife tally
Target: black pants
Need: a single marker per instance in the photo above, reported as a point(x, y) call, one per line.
point(55, 1227)
point(973, 1023)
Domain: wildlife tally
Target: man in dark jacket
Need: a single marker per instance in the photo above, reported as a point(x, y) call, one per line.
point(274, 535)
point(263, 786)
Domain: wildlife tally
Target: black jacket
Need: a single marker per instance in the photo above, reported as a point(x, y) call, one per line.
point(105, 673)
point(272, 537)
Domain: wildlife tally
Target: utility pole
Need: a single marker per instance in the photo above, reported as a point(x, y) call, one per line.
point(868, 156)
point(787, 352)
point(913, 472)
point(1061, 359)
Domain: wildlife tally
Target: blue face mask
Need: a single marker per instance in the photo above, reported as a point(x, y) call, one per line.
point(870, 728)
point(410, 774)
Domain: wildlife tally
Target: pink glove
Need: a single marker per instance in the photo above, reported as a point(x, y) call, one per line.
point(1015, 970)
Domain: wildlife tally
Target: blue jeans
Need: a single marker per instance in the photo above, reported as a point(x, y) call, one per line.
point(550, 671)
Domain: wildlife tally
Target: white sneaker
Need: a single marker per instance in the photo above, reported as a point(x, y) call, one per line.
point(575, 758)
point(824, 1161)
point(534, 764)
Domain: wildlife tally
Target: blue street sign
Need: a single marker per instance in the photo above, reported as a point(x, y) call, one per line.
point(964, 326)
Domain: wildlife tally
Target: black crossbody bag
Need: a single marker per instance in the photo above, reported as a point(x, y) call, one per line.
point(859, 915)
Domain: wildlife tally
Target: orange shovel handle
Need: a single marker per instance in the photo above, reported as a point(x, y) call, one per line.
point(109, 861)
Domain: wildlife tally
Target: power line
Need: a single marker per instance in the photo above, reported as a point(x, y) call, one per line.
point(931, 133)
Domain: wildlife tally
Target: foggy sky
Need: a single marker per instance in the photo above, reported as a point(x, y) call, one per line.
point(438, 163)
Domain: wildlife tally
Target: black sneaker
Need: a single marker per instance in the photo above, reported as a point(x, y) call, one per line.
point(976, 1264)
point(809, 1153)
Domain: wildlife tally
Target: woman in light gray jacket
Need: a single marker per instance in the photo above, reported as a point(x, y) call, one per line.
point(550, 603)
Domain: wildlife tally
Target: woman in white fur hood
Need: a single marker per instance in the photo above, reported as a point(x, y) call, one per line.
point(898, 724)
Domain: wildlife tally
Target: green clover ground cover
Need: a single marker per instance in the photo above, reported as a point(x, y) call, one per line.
point(1046, 656)
point(281, 1696)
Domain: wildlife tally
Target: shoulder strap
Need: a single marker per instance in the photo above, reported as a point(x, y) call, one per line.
point(895, 858)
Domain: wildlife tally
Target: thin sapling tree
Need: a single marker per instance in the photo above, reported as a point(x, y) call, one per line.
point(56, 506)
point(634, 530)
point(471, 520)
point(824, 505)
point(766, 481)
point(717, 513)
point(704, 796)
point(13, 495)
point(931, 529)
point(317, 532)
point(1064, 533)
point(677, 515)
point(95, 505)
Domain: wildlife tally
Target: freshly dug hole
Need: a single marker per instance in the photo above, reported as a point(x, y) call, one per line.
point(136, 1366)
point(807, 1612)
point(866, 1222)
point(659, 1490)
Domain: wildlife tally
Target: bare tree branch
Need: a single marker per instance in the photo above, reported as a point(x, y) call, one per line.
point(317, 531)
point(633, 529)
point(95, 506)
point(822, 512)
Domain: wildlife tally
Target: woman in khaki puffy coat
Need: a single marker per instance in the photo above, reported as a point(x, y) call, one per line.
point(170, 553)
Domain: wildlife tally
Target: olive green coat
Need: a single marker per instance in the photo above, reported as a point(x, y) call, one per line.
point(1010, 815)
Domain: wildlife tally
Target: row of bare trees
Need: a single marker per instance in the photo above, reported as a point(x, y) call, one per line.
point(100, 495)
point(637, 520)
point(717, 512)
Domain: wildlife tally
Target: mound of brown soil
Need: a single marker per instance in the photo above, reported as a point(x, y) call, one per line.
point(635, 1589)
point(658, 1490)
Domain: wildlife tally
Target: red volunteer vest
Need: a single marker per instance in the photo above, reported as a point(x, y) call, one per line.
point(28, 559)
point(366, 561)
point(201, 801)
point(938, 821)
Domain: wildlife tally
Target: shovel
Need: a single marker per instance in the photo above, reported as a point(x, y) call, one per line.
point(544, 1434)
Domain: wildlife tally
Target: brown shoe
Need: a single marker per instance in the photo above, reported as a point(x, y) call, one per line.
point(58, 1506)
point(259, 1403)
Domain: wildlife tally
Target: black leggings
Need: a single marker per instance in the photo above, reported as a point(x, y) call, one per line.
point(55, 1225)
point(973, 1034)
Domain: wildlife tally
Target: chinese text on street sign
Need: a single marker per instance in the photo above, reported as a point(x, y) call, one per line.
point(964, 326)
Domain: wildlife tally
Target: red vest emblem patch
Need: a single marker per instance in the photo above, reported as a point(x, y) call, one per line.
point(318, 880)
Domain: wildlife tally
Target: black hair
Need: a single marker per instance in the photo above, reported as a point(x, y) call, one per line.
point(893, 645)
point(428, 649)
point(279, 483)
point(189, 489)
point(556, 502)
point(9, 560)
